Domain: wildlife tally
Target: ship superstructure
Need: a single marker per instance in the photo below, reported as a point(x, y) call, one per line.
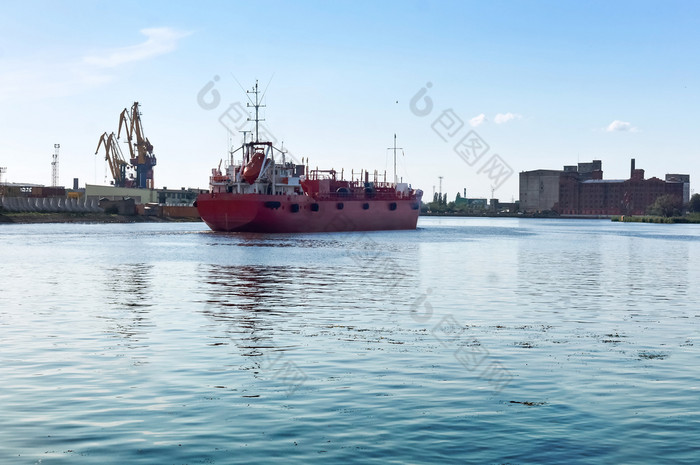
point(264, 192)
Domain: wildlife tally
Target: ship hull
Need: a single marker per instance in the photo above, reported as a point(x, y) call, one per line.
point(228, 212)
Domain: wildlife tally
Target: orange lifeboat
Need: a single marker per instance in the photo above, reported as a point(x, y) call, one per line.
point(252, 169)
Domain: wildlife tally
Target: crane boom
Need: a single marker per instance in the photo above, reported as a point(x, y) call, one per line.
point(115, 159)
point(141, 150)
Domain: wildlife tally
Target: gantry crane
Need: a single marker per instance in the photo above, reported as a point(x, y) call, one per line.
point(141, 150)
point(115, 159)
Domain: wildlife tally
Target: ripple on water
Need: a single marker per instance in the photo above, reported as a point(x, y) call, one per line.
point(466, 341)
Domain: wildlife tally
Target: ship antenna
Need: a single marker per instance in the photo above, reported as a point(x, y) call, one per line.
point(395, 148)
point(257, 106)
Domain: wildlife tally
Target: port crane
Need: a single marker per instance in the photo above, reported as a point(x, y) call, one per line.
point(115, 159)
point(140, 148)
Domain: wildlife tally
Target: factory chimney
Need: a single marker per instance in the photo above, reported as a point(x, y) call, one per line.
point(632, 169)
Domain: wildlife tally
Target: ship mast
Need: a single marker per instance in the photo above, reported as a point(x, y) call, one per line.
point(395, 149)
point(257, 106)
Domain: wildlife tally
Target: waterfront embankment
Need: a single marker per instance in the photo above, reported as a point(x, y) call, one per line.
point(34, 217)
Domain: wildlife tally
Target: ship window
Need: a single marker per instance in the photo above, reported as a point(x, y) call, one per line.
point(339, 205)
point(392, 206)
point(294, 207)
point(314, 207)
point(365, 206)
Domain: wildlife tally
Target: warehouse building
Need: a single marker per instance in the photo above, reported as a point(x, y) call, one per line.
point(581, 190)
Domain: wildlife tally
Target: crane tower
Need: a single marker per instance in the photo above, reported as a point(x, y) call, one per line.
point(141, 158)
point(140, 148)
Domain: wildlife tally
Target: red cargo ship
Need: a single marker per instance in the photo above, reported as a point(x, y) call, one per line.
point(266, 193)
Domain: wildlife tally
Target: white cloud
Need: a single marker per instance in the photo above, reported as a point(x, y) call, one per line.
point(28, 79)
point(502, 118)
point(159, 40)
point(621, 126)
point(477, 120)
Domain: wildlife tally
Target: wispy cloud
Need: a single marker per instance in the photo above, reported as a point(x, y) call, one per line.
point(502, 118)
point(159, 40)
point(621, 126)
point(477, 120)
point(27, 79)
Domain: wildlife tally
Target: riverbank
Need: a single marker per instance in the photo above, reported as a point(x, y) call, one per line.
point(31, 218)
point(691, 218)
point(35, 217)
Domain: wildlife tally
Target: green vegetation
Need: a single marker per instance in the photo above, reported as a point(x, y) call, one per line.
point(666, 206)
point(694, 204)
point(667, 209)
point(691, 218)
point(460, 206)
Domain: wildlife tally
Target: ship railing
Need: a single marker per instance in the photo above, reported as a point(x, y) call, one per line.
point(384, 185)
point(321, 174)
point(374, 195)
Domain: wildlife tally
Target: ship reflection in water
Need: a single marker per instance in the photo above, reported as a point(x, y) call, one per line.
point(128, 298)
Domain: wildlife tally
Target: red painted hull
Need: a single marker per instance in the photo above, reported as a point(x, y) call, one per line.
point(300, 213)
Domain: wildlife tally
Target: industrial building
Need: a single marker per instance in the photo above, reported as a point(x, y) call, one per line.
point(581, 190)
point(539, 190)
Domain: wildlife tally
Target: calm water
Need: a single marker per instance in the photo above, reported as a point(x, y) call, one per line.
point(466, 341)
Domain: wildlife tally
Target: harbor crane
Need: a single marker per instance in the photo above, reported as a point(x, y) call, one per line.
point(140, 148)
point(117, 165)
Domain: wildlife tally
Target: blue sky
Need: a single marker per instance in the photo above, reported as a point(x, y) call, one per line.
point(541, 83)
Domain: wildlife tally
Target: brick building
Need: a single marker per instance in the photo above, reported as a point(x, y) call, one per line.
point(581, 190)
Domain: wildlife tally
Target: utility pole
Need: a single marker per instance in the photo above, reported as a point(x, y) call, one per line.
point(54, 166)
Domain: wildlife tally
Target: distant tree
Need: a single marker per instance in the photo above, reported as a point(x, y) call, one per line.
point(458, 197)
point(694, 204)
point(666, 205)
point(436, 198)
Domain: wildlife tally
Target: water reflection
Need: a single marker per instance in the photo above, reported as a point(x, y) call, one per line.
point(129, 300)
point(260, 307)
point(656, 271)
point(589, 273)
point(560, 276)
point(246, 300)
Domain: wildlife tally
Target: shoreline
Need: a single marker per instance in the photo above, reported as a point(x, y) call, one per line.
point(97, 218)
point(39, 218)
point(692, 218)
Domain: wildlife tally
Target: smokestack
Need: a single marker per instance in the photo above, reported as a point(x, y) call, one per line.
point(632, 169)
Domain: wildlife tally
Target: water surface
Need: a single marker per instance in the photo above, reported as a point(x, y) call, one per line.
point(466, 341)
